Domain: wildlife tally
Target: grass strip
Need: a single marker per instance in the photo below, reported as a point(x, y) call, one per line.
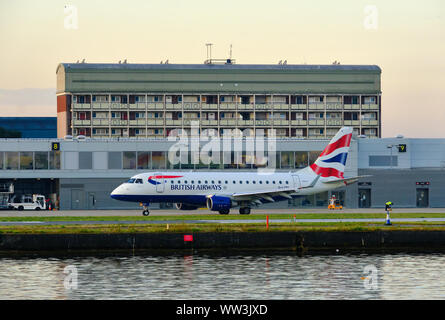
point(333, 215)
point(210, 227)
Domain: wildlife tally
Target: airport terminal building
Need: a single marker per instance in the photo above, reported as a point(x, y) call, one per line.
point(80, 174)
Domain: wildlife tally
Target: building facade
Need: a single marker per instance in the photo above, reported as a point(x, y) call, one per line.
point(152, 100)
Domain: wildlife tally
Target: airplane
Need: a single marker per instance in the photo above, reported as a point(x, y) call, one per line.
point(221, 191)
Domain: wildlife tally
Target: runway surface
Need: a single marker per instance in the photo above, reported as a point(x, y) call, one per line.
point(174, 212)
point(234, 212)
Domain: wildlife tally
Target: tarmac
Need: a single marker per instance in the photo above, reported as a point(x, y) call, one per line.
point(174, 212)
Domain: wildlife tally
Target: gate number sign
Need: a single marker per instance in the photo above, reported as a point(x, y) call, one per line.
point(402, 147)
point(55, 146)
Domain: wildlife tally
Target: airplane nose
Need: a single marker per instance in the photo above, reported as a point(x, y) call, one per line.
point(116, 192)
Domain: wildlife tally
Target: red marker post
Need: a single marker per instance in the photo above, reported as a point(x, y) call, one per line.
point(267, 222)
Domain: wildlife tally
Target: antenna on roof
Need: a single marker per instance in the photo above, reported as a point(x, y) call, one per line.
point(125, 61)
point(285, 62)
point(83, 61)
point(166, 61)
point(209, 53)
point(280, 62)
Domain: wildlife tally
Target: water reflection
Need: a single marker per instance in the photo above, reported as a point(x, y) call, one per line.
point(244, 276)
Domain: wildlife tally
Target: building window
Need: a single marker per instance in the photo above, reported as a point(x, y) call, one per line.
point(115, 160)
point(11, 160)
point(85, 160)
point(144, 160)
point(383, 161)
point(54, 160)
point(158, 159)
point(41, 160)
point(129, 160)
point(26, 161)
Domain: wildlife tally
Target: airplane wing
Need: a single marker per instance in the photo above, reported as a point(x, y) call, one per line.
point(268, 195)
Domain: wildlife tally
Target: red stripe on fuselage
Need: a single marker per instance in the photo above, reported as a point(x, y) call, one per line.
point(344, 141)
point(164, 177)
point(326, 172)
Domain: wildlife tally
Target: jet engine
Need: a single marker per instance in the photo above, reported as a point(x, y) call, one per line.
point(218, 203)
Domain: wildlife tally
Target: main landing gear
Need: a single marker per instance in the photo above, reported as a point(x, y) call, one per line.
point(244, 210)
point(225, 211)
point(145, 212)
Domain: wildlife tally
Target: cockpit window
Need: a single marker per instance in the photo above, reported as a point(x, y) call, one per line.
point(131, 180)
point(139, 181)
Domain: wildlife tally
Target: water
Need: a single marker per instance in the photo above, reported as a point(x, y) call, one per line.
point(244, 276)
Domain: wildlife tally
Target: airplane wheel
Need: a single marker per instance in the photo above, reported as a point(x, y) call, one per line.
point(224, 211)
point(245, 210)
point(145, 213)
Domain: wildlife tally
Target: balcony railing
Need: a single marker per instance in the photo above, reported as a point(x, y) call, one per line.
point(334, 122)
point(316, 106)
point(101, 105)
point(281, 122)
point(81, 122)
point(370, 106)
point(370, 122)
point(81, 106)
point(227, 106)
point(299, 122)
point(298, 106)
point(101, 122)
point(212, 106)
point(352, 107)
point(316, 122)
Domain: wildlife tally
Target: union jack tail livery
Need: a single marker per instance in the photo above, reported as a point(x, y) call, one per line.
point(331, 162)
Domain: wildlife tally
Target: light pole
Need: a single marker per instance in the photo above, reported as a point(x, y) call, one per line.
point(390, 146)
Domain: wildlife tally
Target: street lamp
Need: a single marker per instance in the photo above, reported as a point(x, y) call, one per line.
point(390, 146)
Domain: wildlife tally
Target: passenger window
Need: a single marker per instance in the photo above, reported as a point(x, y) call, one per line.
point(267, 181)
point(226, 182)
point(253, 181)
point(234, 182)
point(219, 181)
point(185, 181)
point(280, 181)
point(240, 182)
point(206, 182)
point(199, 181)
point(273, 182)
point(287, 182)
point(247, 182)
point(213, 182)
point(193, 181)
point(261, 182)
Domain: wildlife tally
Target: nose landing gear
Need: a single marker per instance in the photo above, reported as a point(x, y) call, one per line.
point(145, 211)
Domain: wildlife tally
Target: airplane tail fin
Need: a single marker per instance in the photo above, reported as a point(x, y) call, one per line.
point(331, 162)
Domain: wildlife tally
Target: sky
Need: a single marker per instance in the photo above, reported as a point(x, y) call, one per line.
point(406, 39)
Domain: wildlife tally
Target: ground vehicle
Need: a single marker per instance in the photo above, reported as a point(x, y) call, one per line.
point(27, 202)
point(334, 204)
